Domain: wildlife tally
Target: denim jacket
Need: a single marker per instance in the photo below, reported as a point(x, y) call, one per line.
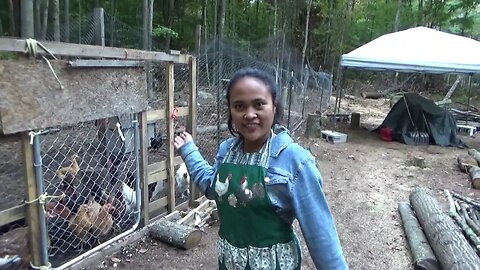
point(295, 190)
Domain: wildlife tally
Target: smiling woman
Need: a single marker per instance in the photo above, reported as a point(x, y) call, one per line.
point(261, 182)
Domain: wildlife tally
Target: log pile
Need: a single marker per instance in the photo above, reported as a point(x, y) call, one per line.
point(471, 164)
point(439, 239)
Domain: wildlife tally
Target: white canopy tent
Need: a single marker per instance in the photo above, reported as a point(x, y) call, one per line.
point(418, 49)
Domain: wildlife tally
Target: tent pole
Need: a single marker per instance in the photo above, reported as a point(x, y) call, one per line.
point(468, 95)
point(338, 94)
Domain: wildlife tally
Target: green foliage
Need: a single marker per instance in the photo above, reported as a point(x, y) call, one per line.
point(162, 31)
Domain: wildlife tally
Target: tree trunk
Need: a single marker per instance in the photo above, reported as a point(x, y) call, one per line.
point(37, 18)
point(56, 20)
point(171, 12)
point(397, 16)
point(422, 253)
point(178, 235)
point(450, 246)
point(314, 126)
point(26, 25)
point(12, 19)
point(221, 20)
point(372, 95)
point(44, 19)
point(145, 13)
point(305, 41)
point(355, 121)
point(66, 17)
point(420, 13)
point(475, 154)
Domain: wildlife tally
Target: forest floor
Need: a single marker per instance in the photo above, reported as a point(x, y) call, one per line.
point(364, 180)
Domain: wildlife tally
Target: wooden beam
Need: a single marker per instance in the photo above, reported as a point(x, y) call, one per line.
point(84, 63)
point(162, 165)
point(80, 50)
point(155, 115)
point(170, 137)
point(144, 167)
point(32, 195)
point(192, 120)
point(12, 214)
point(158, 204)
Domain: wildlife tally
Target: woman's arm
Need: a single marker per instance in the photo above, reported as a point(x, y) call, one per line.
point(315, 219)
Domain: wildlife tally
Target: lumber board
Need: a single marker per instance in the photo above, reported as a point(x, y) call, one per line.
point(170, 136)
point(192, 120)
point(144, 167)
point(33, 99)
point(155, 115)
point(81, 50)
point(157, 204)
point(12, 214)
point(157, 171)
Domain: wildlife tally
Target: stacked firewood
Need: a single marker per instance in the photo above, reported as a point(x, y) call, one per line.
point(439, 239)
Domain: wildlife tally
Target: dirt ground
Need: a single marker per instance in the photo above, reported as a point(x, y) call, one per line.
point(364, 180)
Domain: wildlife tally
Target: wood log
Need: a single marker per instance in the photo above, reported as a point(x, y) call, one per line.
point(372, 95)
point(314, 126)
point(175, 234)
point(465, 162)
point(468, 200)
point(422, 253)
point(475, 154)
point(418, 162)
point(474, 174)
point(355, 121)
point(211, 129)
point(471, 223)
point(450, 246)
point(452, 212)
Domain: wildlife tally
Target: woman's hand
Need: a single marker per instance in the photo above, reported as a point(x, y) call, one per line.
point(182, 139)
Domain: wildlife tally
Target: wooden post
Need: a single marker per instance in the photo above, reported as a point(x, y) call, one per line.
point(355, 121)
point(170, 137)
point(192, 120)
point(143, 168)
point(32, 194)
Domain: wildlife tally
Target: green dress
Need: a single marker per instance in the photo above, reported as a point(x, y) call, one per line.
point(252, 234)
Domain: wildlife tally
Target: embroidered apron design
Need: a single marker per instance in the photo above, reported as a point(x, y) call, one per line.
point(252, 235)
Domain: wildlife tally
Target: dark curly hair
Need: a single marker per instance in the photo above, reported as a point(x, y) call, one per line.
point(264, 77)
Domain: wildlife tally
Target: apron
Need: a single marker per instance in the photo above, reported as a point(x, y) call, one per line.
point(252, 234)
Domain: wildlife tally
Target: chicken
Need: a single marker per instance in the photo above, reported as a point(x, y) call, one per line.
point(72, 169)
point(57, 209)
point(81, 223)
point(102, 223)
point(243, 193)
point(222, 188)
point(182, 182)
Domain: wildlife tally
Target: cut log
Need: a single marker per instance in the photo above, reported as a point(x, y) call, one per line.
point(451, 248)
point(175, 234)
point(465, 162)
point(418, 162)
point(314, 126)
point(452, 212)
point(422, 253)
point(355, 121)
point(475, 154)
point(474, 174)
point(372, 95)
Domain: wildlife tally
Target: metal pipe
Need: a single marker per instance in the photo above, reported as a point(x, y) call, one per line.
point(41, 210)
point(469, 93)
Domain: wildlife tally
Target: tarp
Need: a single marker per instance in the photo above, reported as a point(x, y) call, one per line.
point(426, 116)
point(418, 49)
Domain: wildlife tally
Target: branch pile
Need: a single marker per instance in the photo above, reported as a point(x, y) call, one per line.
point(440, 240)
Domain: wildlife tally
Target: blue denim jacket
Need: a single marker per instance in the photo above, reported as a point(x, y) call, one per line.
point(295, 190)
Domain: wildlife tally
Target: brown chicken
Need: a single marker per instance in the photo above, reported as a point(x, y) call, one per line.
point(81, 223)
point(102, 224)
point(57, 209)
point(72, 169)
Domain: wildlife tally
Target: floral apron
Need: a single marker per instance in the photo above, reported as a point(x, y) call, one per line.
point(252, 234)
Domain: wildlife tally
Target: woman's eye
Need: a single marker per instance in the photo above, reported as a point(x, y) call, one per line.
point(238, 106)
point(258, 105)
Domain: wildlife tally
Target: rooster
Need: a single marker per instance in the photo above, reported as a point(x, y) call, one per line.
point(243, 193)
point(222, 188)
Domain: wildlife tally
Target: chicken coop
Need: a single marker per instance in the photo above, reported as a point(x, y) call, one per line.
point(76, 139)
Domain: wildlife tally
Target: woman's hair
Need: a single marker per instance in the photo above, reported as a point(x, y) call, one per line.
point(264, 77)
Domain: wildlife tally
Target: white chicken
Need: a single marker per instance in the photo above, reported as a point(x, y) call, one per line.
point(222, 188)
point(182, 184)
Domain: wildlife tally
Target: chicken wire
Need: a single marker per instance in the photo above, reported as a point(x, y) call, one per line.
point(93, 168)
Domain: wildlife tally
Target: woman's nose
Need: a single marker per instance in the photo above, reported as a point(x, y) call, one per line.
point(250, 114)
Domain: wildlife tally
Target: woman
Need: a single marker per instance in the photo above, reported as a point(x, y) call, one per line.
point(261, 181)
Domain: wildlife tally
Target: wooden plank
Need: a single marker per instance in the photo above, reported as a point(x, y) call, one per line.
point(162, 165)
point(144, 178)
point(12, 214)
point(191, 214)
point(72, 49)
point(31, 195)
point(170, 137)
point(86, 63)
point(155, 115)
point(192, 120)
point(87, 94)
point(158, 204)
point(157, 177)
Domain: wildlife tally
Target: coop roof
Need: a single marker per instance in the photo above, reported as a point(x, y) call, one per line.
point(418, 49)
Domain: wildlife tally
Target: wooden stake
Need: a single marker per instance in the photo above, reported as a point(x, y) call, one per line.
point(143, 167)
point(170, 138)
point(192, 120)
point(32, 195)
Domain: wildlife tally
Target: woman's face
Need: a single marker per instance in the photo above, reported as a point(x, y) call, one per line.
point(252, 111)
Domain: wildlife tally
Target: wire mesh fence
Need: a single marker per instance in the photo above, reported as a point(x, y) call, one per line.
point(91, 170)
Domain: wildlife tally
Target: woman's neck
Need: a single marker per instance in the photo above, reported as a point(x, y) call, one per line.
point(255, 146)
